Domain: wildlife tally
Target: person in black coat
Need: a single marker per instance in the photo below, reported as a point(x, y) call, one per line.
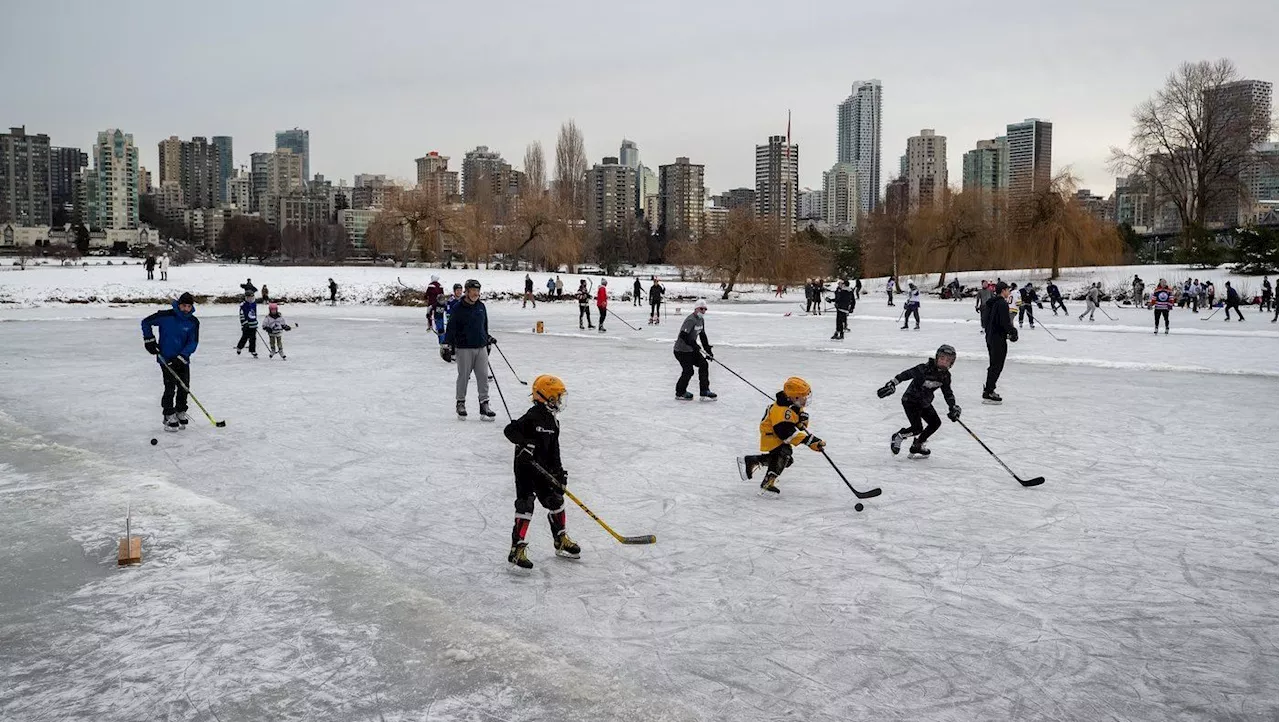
point(1233, 301)
point(536, 435)
point(843, 300)
point(917, 402)
point(998, 323)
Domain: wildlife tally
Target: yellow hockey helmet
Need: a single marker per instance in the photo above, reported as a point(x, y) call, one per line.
point(797, 389)
point(549, 390)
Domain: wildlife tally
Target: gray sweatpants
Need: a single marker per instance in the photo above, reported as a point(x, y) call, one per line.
point(469, 360)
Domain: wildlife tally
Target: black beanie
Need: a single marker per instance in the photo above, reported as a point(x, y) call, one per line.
point(186, 298)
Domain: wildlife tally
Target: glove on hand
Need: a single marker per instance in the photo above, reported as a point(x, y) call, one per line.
point(954, 413)
point(888, 389)
point(815, 443)
point(151, 346)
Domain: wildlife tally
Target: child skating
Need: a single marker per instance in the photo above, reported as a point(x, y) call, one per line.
point(275, 326)
point(248, 325)
point(785, 424)
point(917, 402)
point(537, 439)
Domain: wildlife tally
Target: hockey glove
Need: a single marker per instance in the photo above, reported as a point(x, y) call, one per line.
point(489, 341)
point(1013, 336)
point(563, 477)
point(815, 443)
point(287, 327)
point(710, 356)
point(804, 420)
point(954, 413)
point(887, 390)
point(151, 346)
point(446, 353)
point(524, 451)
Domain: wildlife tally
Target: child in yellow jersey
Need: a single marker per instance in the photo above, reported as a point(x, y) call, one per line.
point(785, 424)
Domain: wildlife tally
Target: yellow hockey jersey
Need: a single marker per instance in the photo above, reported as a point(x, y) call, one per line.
point(783, 423)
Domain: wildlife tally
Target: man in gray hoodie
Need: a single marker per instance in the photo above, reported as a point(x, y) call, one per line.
point(692, 332)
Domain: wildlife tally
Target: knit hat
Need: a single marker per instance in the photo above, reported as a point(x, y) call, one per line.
point(272, 308)
point(700, 304)
point(186, 298)
point(435, 278)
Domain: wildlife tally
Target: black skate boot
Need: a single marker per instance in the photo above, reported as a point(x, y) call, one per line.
point(918, 449)
point(747, 466)
point(709, 396)
point(686, 396)
point(518, 557)
point(566, 547)
point(770, 483)
point(183, 419)
point(991, 397)
point(461, 409)
point(171, 422)
point(895, 442)
point(486, 413)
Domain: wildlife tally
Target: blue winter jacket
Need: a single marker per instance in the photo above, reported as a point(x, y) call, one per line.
point(249, 314)
point(468, 326)
point(179, 332)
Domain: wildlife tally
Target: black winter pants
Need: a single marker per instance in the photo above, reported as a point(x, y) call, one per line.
point(1025, 311)
point(584, 312)
point(653, 309)
point(530, 485)
point(604, 311)
point(908, 312)
point(689, 360)
point(923, 419)
point(250, 337)
point(997, 350)
point(775, 461)
point(842, 322)
point(1162, 313)
point(1227, 311)
point(1055, 303)
point(175, 398)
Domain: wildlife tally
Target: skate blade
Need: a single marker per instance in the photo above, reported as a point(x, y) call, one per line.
point(988, 402)
point(567, 555)
point(489, 418)
point(742, 469)
point(706, 398)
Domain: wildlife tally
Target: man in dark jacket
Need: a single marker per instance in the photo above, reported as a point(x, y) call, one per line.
point(467, 340)
point(999, 326)
point(655, 301)
point(637, 293)
point(583, 297)
point(1233, 301)
point(179, 336)
point(1055, 298)
point(843, 300)
point(151, 267)
point(1026, 296)
point(693, 331)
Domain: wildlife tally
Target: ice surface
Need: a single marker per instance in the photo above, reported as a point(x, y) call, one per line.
point(338, 550)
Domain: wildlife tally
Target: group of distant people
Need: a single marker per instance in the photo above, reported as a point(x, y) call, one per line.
point(152, 262)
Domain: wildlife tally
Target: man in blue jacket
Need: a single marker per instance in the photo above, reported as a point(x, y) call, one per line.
point(466, 340)
point(248, 325)
point(179, 336)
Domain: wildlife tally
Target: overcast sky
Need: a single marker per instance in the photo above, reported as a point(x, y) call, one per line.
point(381, 82)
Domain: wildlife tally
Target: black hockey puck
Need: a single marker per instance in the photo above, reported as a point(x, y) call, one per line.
point(857, 507)
point(154, 442)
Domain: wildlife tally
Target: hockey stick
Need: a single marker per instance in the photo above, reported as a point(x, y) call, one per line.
point(513, 370)
point(270, 353)
point(860, 494)
point(498, 385)
point(1025, 482)
point(735, 373)
point(219, 424)
point(1215, 312)
point(1104, 312)
point(1051, 333)
point(642, 539)
point(402, 283)
point(623, 320)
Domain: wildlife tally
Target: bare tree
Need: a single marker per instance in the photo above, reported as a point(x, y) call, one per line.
point(1192, 140)
point(535, 169)
point(745, 249)
point(1052, 214)
point(955, 225)
point(571, 168)
point(411, 227)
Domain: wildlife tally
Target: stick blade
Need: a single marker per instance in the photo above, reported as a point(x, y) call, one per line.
point(220, 424)
point(1032, 482)
point(872, 493)
point(644, 539)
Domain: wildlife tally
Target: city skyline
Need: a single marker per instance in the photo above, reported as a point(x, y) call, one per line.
point(378, 115)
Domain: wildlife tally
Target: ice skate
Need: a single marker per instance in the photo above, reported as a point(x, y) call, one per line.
point(991, 397)
point(919, 449)
point(486, 413)
point(747, 466)
point(182, 418)
point(895, 442)
point(686, 396)
point(171, 422)
point(461, 409)
point(518, 557)
point(770, 483)
point(709, 396)
point(566, 547)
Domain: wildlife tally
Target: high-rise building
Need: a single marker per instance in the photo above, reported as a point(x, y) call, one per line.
point(811, 204)
point(113, 192)
point(196, 165)
point(897, 197)
point(257, 180)
point(1260, 182)
point(1247, 101)
point(298, 141)
point(435, 178)
point(370, 179)
point(681, 189)
point(986, 166)
point(477, 165)
point(858, 139)
point(629, 154)
point(778, 183)
point(226, 165)
point(356, 221)
point(926, 168)
point(1135, 203)
point(737, 198)
point(646, 185)
point(840, 197)
point(64, 164)
point(25, 198)
point(1030, 156)
point(239, 190)
point(611, 193)
point(283, 178)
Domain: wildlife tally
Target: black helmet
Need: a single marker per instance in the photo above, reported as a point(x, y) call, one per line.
point(457, 286)
point(473, 283)
point(946, 349)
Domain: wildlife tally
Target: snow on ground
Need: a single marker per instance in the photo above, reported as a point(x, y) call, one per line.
point(338, 550)
point(101, 284)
